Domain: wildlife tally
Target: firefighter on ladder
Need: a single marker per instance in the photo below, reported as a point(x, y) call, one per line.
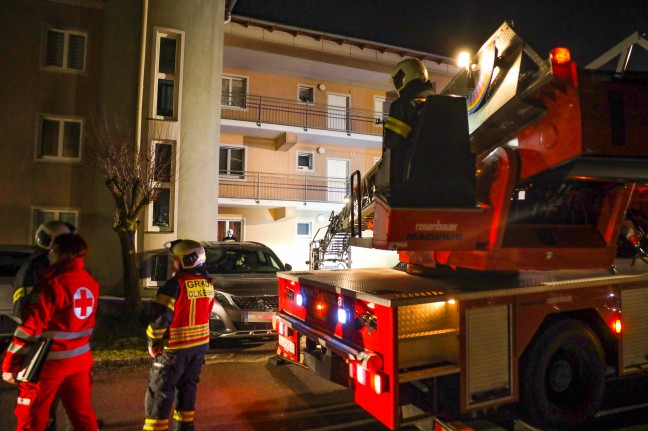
point(178, 339)
point(62, 308)
point(410, 78)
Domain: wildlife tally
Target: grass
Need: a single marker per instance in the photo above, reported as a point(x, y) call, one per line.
point(118, 335)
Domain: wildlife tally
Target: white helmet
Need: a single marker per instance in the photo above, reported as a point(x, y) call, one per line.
point(408, 70)
point(49, 230)
point(190, 253)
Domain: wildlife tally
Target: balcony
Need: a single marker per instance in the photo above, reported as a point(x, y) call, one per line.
point(307, 116)
point(260, 186)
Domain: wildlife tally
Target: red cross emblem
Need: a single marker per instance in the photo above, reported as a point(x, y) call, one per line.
point(83, 303)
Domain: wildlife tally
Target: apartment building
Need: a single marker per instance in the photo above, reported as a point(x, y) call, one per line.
point(263, 122)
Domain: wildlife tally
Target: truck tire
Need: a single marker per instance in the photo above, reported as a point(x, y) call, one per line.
point(562, 378)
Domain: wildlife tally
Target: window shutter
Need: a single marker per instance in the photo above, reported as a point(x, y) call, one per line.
point(76, 52)
point(54, 50)
point(49, 138)
point(71, 139)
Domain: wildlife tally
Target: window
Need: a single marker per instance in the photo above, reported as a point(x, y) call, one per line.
point(234, 92)
point(167, 74)
point(381, 109)
point(60, 138)
point(161, 218)
point(304, 161)
point(306, 93)
point(231, 161)
point(42, 215)
point(65, 50)
point(304, 229)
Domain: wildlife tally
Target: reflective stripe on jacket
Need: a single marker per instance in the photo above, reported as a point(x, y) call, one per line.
point(181, 311)
point(62, 309)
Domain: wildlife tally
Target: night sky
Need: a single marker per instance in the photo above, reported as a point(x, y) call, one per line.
point(588, 27)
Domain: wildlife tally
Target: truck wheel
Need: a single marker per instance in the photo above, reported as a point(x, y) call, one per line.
point(563, 377)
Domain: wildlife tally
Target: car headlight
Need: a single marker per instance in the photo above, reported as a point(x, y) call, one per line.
point(222, 298)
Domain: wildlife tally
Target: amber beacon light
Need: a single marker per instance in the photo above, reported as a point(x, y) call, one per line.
point(560, 56)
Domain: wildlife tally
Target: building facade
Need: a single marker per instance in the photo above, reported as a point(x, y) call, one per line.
point(262, 123)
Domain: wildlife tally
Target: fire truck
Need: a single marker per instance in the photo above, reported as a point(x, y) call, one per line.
point(507, 221)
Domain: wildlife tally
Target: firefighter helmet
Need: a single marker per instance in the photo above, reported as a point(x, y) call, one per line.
point(408, 70)
point(190, 253)
point(47, 231)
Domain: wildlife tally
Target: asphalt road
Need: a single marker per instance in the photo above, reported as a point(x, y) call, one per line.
point(239, 391)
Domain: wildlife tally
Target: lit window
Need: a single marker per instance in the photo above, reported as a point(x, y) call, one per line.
point(304, 161)
point(231, 161)
point(161, 211)
point(60, 138)
point(306, 94)
point(65, 50)
point(167, 74)
point(381, 109)
point(234, 92)
point(42, 215)
point(304, 229)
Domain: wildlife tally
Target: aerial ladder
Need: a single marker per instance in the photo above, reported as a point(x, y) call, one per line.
point(531, 177)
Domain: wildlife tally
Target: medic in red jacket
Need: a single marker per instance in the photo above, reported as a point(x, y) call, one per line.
point(63, 310)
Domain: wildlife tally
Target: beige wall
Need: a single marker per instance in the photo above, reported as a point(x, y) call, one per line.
point(281, 236)
point(262, 156)
point(26, 91)
point(284, 87)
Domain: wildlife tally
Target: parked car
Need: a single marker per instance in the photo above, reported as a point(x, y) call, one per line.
point(245, 284)
point(11, 258)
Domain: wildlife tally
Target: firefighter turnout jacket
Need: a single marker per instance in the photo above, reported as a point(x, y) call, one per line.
point(62, 308)
point(404, 114)
point(180, 320)
point(27, 277)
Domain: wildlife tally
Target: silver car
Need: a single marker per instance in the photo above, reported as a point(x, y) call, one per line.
point(246, 288)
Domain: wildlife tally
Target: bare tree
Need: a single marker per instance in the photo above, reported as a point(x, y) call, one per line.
point(131, 175)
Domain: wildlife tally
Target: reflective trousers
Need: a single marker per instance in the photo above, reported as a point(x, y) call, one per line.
point(172, 377)
point(72, 379)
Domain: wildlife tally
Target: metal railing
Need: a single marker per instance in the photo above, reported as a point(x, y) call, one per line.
point(269, 186)
point(262, 109)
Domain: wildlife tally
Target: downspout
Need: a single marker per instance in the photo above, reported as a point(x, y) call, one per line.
point(140, 87)
point(140, 83)
point(228, 11)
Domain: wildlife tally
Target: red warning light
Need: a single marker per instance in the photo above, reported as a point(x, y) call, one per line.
point(560, 56)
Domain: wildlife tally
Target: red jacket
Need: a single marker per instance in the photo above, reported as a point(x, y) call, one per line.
point(181, 312)
point(63, 309)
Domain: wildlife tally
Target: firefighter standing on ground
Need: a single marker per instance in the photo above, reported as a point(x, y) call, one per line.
point(178, 339)
point(230, 236)
point(63, 309)
point(410, 78)
point(29, 273)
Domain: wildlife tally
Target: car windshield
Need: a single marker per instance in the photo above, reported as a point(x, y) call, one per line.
point(237, 261)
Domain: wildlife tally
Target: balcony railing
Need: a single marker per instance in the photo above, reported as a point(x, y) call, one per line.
point(268, 186)
point(261, 109)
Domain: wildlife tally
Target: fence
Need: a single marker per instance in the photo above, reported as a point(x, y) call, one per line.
point(261, 109)
point(268, 186)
